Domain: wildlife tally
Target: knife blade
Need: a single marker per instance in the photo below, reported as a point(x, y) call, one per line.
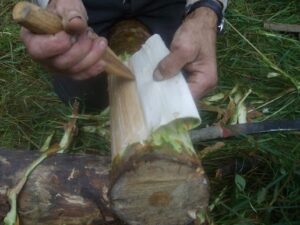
point(215, 132)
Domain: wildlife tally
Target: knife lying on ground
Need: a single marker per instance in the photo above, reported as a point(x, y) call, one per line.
point(216, 132)
point(41, 21)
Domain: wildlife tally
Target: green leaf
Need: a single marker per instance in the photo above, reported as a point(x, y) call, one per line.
point(261, 195)
point(240, 182)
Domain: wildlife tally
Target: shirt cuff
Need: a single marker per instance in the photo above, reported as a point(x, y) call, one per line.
point(41, 3)
point(224, 2)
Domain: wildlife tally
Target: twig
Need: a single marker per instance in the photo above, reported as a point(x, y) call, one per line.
point(292, 28)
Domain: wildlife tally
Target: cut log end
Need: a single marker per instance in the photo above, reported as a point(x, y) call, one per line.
point(157, 190)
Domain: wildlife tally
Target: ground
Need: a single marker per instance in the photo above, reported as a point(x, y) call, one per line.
point(254, 179)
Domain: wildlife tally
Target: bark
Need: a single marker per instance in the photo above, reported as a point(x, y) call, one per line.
point(64, 189)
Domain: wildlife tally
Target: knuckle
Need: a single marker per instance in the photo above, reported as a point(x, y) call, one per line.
point(99, 49)
point(59, 45)
point(186, 50)
point(34, 51)
point(63, 44)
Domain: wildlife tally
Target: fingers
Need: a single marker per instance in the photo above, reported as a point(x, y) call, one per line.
point(77, 51)
point(80, 60)
point(93, 58)
point(75, 54)
point(169, 66)
point(93, 71)
point(42, 47)
point(83, 60)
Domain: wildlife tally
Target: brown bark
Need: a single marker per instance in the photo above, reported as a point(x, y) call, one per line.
point(64, 189)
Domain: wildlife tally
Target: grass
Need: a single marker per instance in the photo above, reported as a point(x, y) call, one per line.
point(269, 163)
point(254, 179)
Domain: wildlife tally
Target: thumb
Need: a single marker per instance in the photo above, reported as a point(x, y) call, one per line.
point(74, 21)
point(73, 14)
point(169, 66)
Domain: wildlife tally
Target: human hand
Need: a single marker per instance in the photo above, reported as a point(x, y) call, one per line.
point(77, 51)
point(194, 49)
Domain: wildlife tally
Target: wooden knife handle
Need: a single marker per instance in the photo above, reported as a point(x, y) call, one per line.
point(41, 21)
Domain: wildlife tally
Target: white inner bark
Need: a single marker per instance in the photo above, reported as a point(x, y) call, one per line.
point(162, 101)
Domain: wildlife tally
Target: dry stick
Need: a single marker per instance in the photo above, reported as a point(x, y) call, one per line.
point(12, 216)
point(292, 28)
point(268, 61)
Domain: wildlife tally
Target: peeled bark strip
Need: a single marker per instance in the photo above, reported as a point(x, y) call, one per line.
point(156, 177)
point(64, 189)
point(165, 101)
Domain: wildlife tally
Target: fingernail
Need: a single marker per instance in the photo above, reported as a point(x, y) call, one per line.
point(102, 44)
point(73, 14)
point(157, 76)
point(92, 34)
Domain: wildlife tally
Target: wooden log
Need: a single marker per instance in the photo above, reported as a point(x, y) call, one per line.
point(64, 189)
point(151, 184)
